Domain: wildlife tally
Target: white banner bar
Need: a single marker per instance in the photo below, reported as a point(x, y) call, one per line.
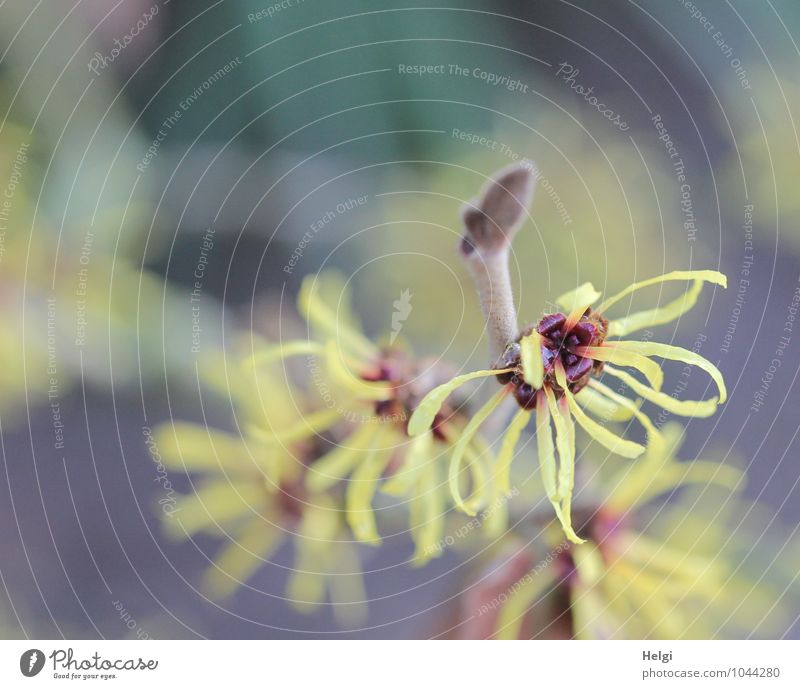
point(402, 664)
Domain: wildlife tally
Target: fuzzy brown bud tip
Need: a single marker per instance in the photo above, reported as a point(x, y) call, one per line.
point(490, 224)
point(492, 220)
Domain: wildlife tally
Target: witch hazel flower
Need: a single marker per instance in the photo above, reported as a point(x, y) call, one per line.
point(361, 395)
point(554, 368)
point(636, 577)
point(248, 492)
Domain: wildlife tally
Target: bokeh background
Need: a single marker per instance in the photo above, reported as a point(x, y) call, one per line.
point(144, 140)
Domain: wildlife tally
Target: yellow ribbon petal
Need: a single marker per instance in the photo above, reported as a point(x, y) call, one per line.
point(601, 406)
point(427, 515)
point(698, 409)
point(673, 353)
point(531, 357)
point(266, 356)
point(425, 413)
point(238, 561)
point(343, 376)
point(578, 299)
point(711, 276)
point(565, 442)
point(309, 425)
point(609, 440)
point(650, 318)
point(506, 454)
point(461, 445)
point(361, 490)
point(545, 449)
point(613, 353)
point(333, 466)
point(418, 454)
point(337, 324)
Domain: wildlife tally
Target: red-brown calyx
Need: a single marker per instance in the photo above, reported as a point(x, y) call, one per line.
point(560, 342)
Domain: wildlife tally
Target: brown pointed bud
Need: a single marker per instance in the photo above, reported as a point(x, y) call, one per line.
point(492, 220)
point(490, 224)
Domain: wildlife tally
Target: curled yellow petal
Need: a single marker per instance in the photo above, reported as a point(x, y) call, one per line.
point(214, 505)
point(712, 276)
point(589, 563)
point(531, 357)
point(461, 445)
point(420, 451)
point(655, 441)
point(238, 560)
point(333, 466)
point(343, 376)
point(271, 354)
point(565, 442)
point(673, 353)
point(609, 440)
point(479, 480)
point(576, 302)
point(346, 585)
point(360, 491)
point(192, 447)
point(425, 413)
point(333, 321)
point(601, 406)
point(309, 425)
point(313, 544)
point(614, 353)
point(678, 474)
point(578, 299)
point(427, 515)
point(545, 449)
point(562, 437)
point(650, 318)
point(699, 409)
point(506, 454)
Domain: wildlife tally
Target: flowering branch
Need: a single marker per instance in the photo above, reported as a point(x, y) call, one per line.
point(490, 224)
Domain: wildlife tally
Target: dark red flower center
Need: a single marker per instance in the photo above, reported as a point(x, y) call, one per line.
point(410, 381)
point(560, 342)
